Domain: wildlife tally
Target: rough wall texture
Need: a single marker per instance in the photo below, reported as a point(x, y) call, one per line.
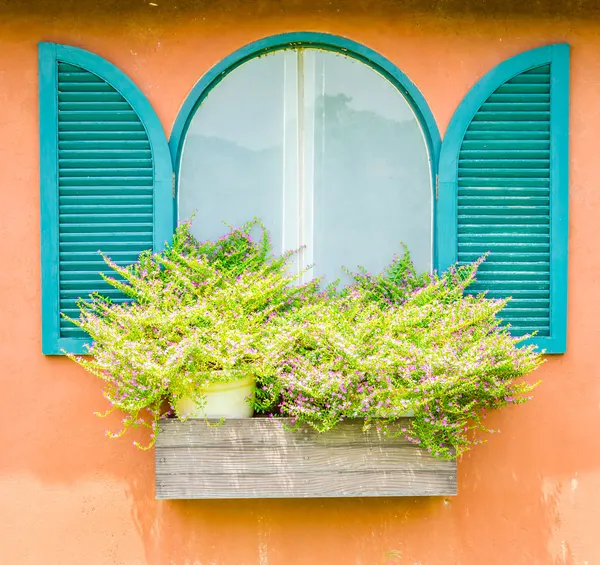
point(70, 496)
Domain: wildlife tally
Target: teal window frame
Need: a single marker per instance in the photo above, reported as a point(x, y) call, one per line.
point(49, 55)
point(557, 56)
point(327, 42)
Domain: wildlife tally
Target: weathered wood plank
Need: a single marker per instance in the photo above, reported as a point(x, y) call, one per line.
point(307, 457)
point(269, 431)
point(306, 485)
point(258, 458)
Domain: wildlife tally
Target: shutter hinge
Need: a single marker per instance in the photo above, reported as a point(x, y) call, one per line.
point(173, 185)
point(437, 186)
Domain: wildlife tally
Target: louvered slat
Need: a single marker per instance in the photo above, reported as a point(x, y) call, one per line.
point(105, 172)
point(504, 199)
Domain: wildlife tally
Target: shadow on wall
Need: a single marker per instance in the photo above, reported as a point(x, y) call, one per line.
point(439, 8)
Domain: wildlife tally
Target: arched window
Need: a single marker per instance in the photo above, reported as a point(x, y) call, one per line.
point(323, 140)
point(330, 144)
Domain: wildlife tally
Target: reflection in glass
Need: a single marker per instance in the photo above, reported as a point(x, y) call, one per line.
point(232, 161)
point(372, 180)
point(326, 151)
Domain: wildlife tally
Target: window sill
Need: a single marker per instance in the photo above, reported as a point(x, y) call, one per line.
point(258, 458)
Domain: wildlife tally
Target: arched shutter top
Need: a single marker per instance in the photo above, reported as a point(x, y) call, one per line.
point(503, 189)
point(106, 182)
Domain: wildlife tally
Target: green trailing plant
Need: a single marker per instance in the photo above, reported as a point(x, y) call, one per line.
point(195, 314)
point(392, 287)
point(398, 344)
point(386, 346)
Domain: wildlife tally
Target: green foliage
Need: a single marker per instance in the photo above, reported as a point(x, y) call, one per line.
point(385, 346)
point(378, 352)
point(393, 286)
point(199, 311)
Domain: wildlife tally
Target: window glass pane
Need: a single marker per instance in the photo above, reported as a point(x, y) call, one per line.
point(323, 149)
point(372, 178)
point(232, 162)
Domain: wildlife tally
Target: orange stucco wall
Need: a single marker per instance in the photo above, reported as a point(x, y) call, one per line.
point(68, 495)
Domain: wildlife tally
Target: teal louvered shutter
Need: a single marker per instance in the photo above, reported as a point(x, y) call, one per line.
point(503, 189)
point(105, 183)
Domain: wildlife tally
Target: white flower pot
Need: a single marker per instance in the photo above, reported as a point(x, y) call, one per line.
point(222, 400)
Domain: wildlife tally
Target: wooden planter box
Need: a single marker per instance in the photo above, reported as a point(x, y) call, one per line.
point(258, 458)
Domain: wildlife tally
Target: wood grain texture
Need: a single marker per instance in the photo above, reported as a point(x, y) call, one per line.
point(259, 458)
